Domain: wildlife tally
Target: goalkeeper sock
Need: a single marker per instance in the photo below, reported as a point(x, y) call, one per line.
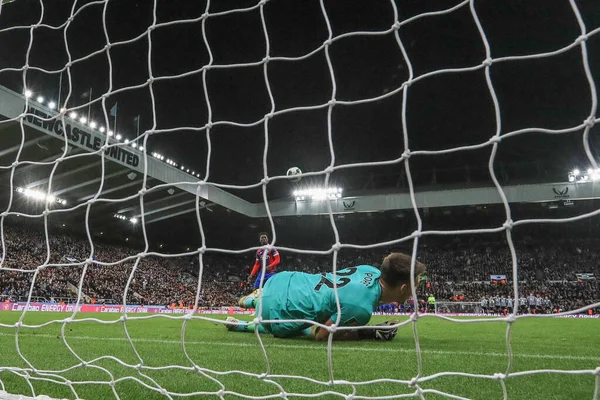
point(250, 302)
point(249, 327)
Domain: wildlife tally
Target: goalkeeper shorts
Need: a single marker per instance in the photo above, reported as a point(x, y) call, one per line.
point(271, 310)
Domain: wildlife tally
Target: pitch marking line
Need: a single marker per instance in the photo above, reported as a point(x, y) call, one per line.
point(369, 349)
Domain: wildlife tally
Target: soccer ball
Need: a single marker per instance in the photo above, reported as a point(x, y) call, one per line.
point(293, 171)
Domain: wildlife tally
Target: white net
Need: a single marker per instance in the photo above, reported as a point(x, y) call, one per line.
point(100, 371)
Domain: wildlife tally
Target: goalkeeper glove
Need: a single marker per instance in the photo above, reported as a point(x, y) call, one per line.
point(385, 332)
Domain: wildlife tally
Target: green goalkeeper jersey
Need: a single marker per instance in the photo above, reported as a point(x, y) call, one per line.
point(300, 295)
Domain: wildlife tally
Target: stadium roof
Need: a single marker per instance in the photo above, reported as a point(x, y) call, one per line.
point(117, 179)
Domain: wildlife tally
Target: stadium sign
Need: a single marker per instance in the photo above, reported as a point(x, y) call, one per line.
point(349, 205)
point(561, 193)
point(78, 136)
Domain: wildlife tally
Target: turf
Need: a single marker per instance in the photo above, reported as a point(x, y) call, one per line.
point(477, 348)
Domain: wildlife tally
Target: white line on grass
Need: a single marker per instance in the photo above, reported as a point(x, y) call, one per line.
point(369, 349)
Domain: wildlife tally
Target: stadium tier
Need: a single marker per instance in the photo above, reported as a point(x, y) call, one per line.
point(549, 269)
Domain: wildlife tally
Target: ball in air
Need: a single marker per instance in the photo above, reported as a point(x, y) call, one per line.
point(294, 172)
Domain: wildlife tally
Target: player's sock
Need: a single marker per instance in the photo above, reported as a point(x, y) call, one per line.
point(249, 327)
point(249, 302)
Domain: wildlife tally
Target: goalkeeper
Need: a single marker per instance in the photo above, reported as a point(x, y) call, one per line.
point(311, 297)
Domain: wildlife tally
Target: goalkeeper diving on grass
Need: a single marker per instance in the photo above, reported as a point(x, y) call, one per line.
point(302, 296)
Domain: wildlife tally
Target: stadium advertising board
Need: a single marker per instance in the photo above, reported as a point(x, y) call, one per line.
point(113, 308)
point(138, 309)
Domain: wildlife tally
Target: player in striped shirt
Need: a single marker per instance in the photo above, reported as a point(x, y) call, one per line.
point(509, 304)
point(272, 259)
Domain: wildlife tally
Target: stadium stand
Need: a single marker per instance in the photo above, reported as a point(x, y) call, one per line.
point(459, 270)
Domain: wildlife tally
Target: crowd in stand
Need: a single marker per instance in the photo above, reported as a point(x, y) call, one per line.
point(457, 271)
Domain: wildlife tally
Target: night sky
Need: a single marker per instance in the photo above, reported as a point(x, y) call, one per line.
point(444, 111)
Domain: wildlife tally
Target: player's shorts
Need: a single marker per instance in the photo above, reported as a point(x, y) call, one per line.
point(267, 276)
point(273, 308)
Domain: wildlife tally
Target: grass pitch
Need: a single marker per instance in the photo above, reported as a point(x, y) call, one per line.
point(477, 348)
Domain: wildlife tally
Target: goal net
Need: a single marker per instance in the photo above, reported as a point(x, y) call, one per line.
point(141, 138)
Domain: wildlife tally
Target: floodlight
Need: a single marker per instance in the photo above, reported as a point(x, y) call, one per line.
point(92, 124)
point(73, 114)
point(101, 129)
point(28, 93)
point(40, 99)
point(576, 172)
point(318, 193)
point(134, 220)
point(83, 120)
point(118, 137)
point(52, 105)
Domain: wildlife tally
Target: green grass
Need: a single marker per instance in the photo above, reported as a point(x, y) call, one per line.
point(478, 348)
